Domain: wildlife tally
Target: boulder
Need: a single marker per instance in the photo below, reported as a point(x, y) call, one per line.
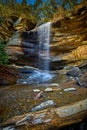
point(50, 118)
point(8, 75)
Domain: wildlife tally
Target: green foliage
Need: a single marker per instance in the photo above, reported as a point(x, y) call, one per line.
point(5, 11)
point(44, 10)
point(68, 4)
point(41, 11)
point(3, 54)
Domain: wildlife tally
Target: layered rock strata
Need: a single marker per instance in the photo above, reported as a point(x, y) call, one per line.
point(68, 43)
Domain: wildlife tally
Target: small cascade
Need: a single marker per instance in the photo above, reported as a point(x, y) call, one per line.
point(44, 41)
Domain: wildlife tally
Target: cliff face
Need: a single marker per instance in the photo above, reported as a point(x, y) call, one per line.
point(14, 23)
point(70, 36)
point(68, 44)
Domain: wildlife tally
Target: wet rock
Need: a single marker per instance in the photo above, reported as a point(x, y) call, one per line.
point(44, 105)
point(69, 89)
point(8, 128)
point(26, 69)
point(48, 90)
point(74, 72)
point(36, 90)
point(8, 75)
point(59, 117)
point(78, 81)
point(83, 80)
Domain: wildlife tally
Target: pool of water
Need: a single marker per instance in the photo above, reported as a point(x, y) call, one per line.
point(41, 76)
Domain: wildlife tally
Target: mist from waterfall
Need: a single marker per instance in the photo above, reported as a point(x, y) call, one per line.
point(44, 41)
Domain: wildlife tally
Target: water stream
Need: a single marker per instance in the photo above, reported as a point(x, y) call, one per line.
point(42, 75)
point(44, 41)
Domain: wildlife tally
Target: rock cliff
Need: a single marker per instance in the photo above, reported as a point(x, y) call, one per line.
point(68, 43)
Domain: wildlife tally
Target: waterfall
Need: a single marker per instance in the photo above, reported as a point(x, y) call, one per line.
point(42, 75)
point(44, 41)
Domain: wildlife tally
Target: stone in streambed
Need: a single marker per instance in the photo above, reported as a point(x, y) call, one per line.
point(48, 90)
point(44, 105)
point(36, 90)
point(69, 89)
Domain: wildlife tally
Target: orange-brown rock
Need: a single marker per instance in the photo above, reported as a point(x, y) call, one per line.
point(72, 108)
point(24, 23)
point(68, 40)
point(8, 75)
point(78, 56)
point(14, 23)
point(69, 35)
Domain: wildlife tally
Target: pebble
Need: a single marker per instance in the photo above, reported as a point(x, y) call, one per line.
point(69, 89)
point(36, 90)
point(48, 90)
point(61, 93)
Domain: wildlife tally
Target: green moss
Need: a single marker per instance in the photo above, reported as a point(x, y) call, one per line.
point(3, 54)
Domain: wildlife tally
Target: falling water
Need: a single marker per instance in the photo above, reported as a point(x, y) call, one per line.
point(42, 74)
point(44, 41)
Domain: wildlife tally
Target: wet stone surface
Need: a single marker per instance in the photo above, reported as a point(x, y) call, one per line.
point(20, 99)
